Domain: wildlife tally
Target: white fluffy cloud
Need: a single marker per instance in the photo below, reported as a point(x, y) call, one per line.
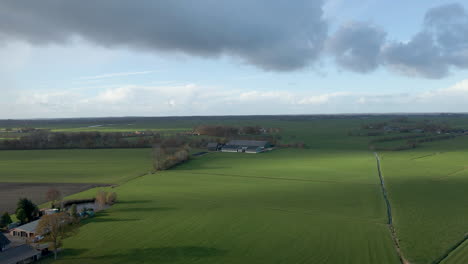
point(192, 99)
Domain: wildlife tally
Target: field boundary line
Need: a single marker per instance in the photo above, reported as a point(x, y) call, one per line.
point(275, 178)
point(425, 156)
point(451, 249)
point(393, 234)
point(451, 174)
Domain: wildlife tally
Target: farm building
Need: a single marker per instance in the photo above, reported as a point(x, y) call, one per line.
point(4, 242)
point(20, 254)
point(247, 146)
point(27, 231)
point(214, 146)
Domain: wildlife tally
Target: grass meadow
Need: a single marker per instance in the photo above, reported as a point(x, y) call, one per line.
point(287, 206)
point(107, 166)
point(428, 190)
point(322, 204)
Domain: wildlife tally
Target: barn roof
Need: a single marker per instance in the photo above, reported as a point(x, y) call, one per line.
point(29, 227)
point(17, 254)
point(248, 143)
point(3, 240)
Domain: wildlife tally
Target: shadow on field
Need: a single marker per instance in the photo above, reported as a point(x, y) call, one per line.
point(107, 220)
point(145, 209)
point(72, 252)
point(153, 255)
point(135, 201)
point(101, 218)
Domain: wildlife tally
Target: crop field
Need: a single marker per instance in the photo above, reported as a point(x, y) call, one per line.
point(320, 204)
point(428, 190)
point(74, 166)
point(287, 206)
point(11, 192)
point(30, 173)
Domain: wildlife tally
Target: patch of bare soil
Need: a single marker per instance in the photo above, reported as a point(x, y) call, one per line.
point(10, 193)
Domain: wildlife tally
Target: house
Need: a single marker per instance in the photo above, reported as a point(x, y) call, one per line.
point(214, 146)
point(249, 146)
point(4, 242)
point(26, 231)
point(49, 211)
point(20, 254)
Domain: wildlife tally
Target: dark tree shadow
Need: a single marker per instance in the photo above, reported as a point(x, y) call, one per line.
point(134, 201)
point(156, 255)
point(145, 209)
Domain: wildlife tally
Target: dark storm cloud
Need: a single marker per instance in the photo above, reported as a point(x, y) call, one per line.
point(439, 47)
point(356, 46)
point(273, 35)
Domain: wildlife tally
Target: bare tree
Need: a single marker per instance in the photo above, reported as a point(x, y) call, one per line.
point(111, 198)
point(55, 228)
point(101, 199)
point(53, 195)
point(158, 157)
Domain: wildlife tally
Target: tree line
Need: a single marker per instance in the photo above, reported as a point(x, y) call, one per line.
point(230, 131)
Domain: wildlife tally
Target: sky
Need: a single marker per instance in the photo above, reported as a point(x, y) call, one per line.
point(209, 57)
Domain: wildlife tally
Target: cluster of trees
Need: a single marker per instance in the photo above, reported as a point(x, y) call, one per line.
point(230, 131)
point(170, 152)
point(5, 220)
point(414, 142)
point(26, 211)
point(44, 139)
point(402, 125)
point(395, 138)
point(104, 198)
point(56, 227)
point(431, 139)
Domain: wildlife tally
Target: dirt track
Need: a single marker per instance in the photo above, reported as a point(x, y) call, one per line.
point(11, 192)
point(389, 213)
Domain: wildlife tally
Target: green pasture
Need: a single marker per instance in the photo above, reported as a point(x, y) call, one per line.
point(74, 165)
point(321, 204)
point(428, 191)
point(286, 206)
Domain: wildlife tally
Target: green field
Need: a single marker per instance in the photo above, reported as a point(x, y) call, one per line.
point(287, 206)
point(321, 204)
point(428, 189)
point(74, 166)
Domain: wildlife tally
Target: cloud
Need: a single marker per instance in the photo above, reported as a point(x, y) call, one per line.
point(192, 99)
point(273, 35)
point(440, 46)
point(116, 74)
point(356, 46)
point(321, 99)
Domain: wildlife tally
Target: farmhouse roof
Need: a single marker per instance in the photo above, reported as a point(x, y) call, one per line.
point(230, 147)
point(3, 240)
point(248, 143)
point(17, 254)
point(29, 227)
point(212, 144)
